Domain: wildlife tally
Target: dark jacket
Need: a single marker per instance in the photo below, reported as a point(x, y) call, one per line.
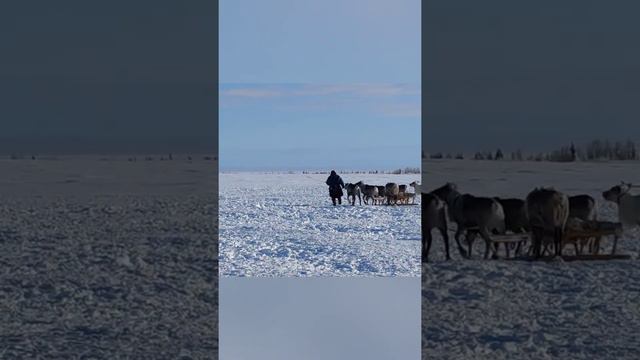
point(334, 180)
point(335, 185)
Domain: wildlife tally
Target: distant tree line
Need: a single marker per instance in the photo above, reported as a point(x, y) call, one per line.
point(593, 150)
point(170, 157)
point(407, 170)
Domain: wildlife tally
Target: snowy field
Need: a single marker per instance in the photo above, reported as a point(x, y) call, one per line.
point(501, 309)
point(285, 225)
point(108, 259)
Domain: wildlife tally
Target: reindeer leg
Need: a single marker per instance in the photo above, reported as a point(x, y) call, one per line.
point(470, 237)
point(488, 244)
point(558, 240)
point(445, 237)
point(461, 249)
point(536, 242)
point(426, 245)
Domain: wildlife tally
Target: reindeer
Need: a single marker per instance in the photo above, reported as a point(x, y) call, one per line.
point(406, 196)
point(548, 211)
point(353, 190)
point(381, 195)
point(582, 208)
point(391, 191)
point(369, 192)
point(628, 205)
point(417, 188)
point(434, 217)
point(515, 218)
point(473, 215)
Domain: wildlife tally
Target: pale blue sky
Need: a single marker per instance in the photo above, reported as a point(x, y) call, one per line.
point(310, 41)
point(318, 84)
point(301, 126)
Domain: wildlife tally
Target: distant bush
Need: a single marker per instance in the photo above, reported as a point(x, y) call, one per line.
point(517, 155)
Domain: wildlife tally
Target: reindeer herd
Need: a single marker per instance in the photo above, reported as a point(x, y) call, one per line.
point(389, 194)
point(546, 214)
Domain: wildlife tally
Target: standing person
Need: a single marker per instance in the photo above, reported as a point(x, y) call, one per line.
point(335, 187)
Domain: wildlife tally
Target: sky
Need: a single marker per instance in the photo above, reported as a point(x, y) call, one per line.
point(320, 318)
point(303, 126)
point(532, 74)
point(114, 76)
point(319, 84)
point(310, 41)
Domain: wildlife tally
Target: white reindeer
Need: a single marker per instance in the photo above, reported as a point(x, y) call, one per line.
point(628, 205)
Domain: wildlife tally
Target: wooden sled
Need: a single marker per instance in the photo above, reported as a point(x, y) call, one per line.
point(510, 242)
point(590, 235)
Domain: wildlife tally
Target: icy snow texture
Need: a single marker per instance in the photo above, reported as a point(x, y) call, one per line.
point(108, 259)
point(545, 310)
point(285, 225)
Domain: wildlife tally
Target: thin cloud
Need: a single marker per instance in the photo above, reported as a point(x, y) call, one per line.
point(305, 90)
point(358, 90)
point(252, 93)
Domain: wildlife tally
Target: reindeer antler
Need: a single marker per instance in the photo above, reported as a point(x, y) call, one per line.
point(629, 185)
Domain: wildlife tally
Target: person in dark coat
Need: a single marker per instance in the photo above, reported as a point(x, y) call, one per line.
point(335, 187)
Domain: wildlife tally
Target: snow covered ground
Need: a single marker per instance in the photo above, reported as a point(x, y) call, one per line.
point(108, 259)
point(318, 318)
point(285, 225)
point(544, 310)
